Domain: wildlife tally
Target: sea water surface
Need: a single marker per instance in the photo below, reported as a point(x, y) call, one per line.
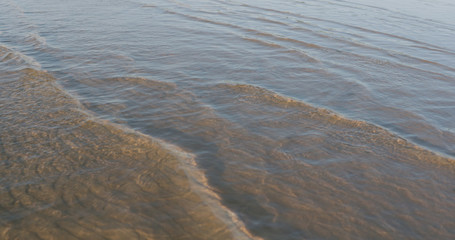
point(216, 119)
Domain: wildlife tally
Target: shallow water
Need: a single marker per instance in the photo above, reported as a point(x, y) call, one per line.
point(227, 120)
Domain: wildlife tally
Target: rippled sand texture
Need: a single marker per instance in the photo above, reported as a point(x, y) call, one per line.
point(65, 175)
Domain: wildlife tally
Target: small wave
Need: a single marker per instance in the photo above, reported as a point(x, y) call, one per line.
point(262, 19)
point(36, 40)
point(60, 155)
point(279, 163)
point(301, 16)
point(404, 60)
point(16, 7)
point(201, 186)
point(196, 176)
point(257, 95)
point(17, 59)
point(256, 32)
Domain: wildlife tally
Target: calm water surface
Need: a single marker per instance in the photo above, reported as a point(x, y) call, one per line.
point(140, 119)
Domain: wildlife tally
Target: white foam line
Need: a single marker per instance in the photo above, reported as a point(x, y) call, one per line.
point(200, 186)
point(18, 58)
point(198, 181)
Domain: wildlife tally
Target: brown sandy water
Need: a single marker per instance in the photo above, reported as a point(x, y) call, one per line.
point(210, 120)
point(66, 175)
